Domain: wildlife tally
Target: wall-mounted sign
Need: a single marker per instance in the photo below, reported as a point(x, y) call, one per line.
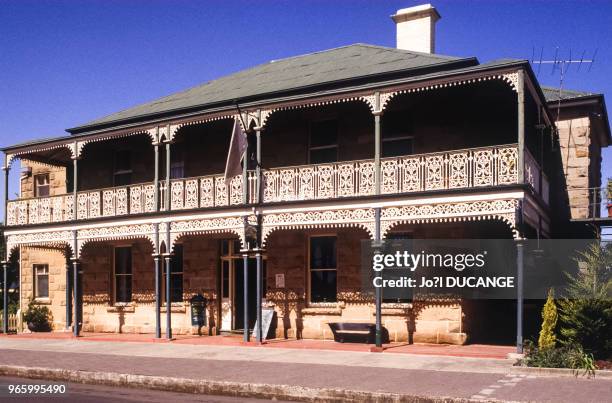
point(280, 281)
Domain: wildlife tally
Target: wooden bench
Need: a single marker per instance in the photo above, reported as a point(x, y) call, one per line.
point(353, 332)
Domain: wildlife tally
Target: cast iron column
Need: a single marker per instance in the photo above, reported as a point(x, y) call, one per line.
point(5, 326)
point(156, 260)
point(6, 255)
point(168, 299)
point(377, 290)
point(68, 295)
point(167, 194)
point(520, 96)
point(156, 178)
point(519, 296)
point(377, 190)
point(6, 197)
point(76, 295)
point(245, 263)
point(74, 186)
point(259, 335)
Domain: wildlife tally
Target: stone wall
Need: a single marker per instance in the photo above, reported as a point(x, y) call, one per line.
point(56, 260)
point(581, 161)
point(57, 179)
point(287, 254)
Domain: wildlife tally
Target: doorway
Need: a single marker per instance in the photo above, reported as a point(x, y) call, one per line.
point(232, 287)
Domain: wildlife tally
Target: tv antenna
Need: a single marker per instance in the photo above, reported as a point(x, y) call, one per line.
point(562, 66)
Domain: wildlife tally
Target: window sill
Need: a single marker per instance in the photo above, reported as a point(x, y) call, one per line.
point(324, 308)
point(42, 301)
point(176, 307)
point(122, 307)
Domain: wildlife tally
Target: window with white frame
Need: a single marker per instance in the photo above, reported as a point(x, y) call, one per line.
point(323, 269)
point(41, 281)
point(41, 185)
point(323, 147)
point(123, 274)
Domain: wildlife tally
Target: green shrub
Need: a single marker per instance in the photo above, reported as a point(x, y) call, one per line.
point(586, 310)
point(38, 317)
point(569, 356)
point(549, 323)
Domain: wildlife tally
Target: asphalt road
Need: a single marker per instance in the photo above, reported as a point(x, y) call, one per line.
point(82, 393)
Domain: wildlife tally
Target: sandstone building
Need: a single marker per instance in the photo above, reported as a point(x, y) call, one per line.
point(121, 222)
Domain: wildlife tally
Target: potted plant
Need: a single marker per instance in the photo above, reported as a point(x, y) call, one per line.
point(38, 317)
point(609, 194)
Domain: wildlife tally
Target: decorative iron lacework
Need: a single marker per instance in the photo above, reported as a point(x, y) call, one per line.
point(504, 210)
point(217, 225)
point(363, 218)
point(115, 232)
point(52, 238)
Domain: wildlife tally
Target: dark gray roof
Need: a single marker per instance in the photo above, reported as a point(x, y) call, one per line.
point(344, 63)
point(552, 94)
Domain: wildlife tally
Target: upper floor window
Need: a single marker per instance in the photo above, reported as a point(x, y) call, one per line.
point(177, 162)
point(41, 185)
point(41, 281)
point(123, 274)
point(323, 146)
point(323, 269)
point(123, 168)
point(397, 135)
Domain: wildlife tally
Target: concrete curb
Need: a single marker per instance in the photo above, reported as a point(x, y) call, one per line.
point(235, 389)
point(556, 372)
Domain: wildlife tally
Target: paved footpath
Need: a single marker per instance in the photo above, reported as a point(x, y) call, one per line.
point(415, 375)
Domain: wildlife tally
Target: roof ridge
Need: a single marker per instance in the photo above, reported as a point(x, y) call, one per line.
point(369, 45)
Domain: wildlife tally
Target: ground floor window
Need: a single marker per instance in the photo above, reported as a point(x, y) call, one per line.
point(176, 275)
point(401, 240)
point(123, 274)
point(323, 269)
point(41, 281)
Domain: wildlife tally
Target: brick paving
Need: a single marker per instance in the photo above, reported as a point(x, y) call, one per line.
point(473, 350)
point(327, 369)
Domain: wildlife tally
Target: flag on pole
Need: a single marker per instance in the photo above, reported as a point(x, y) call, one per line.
point(237, 150)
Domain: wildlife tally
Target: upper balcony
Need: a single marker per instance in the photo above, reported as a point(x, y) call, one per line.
point(435, 141)
point(458, 169)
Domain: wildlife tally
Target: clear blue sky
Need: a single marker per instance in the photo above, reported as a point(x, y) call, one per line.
point(63, 63)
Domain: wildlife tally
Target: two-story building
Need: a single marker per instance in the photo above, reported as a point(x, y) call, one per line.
point(121, 222)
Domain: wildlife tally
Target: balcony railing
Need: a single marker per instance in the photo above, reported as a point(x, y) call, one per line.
point(475, 167)
point(536, 177)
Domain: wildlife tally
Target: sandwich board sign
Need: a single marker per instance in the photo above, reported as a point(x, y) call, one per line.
point(267, 314)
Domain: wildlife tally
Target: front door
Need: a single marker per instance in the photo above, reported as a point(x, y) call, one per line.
point(239, 293)
point(232, 287)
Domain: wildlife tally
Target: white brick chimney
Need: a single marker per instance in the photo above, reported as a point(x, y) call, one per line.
point(416, 28)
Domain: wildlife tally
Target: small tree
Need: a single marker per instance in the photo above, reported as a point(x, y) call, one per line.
point(548, 339)
point(586, 311)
